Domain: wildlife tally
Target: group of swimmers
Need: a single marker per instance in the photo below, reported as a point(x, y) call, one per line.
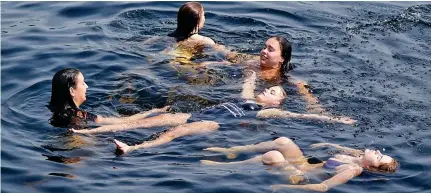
point(69, 93)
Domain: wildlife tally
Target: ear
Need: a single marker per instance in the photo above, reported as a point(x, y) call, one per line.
point(282, 60)
point(72, 92)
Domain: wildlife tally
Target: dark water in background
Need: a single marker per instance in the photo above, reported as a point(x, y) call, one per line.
point(370, 61)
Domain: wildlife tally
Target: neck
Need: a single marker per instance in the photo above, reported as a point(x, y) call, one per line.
point(358, 160)
point(264, 104)
point(269, 72)
point(76, 104)
point(196, 31)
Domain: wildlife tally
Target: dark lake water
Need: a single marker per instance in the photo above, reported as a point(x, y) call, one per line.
point(367, 60)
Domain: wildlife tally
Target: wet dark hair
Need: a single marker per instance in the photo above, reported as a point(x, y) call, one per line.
point(61, 100)
point(188, 18)
point(286, 53)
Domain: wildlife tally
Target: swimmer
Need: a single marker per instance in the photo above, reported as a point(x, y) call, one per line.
point(69, 93)
point(274, 63)
point(190, 20)
point(264, 105)
point(285, 153)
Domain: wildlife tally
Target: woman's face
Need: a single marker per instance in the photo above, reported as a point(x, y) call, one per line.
point(375, 158)
point(78, 93)
point(202, 21)
point(272, 96)
point(270, 55)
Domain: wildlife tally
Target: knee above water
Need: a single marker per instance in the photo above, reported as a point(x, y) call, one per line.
point(283, 140)
point(272, 157)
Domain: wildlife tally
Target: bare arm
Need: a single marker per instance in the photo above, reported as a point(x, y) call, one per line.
point(278, 113)
point(344, 174)
point(313, 104)
point(136, 117)
point(157, 121)
point(248, 87)
point(346, 150)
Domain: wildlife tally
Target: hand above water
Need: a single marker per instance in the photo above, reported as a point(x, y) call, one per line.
point(345, 120)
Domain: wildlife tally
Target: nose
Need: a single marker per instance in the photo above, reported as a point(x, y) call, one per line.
point(263, 51)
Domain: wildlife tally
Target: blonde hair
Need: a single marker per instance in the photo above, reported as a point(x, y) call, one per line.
point(283, 91)
point(385, 168)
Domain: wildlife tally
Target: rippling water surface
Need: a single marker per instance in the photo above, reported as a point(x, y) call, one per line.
point(370, 61)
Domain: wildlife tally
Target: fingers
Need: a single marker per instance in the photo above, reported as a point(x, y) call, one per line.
point(348, 120)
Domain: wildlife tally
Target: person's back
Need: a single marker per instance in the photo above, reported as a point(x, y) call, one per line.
point(190, 20)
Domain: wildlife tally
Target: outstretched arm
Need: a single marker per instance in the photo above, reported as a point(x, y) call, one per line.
point(248, 86)
point(344, 174)
point(278, 113)
point(346, 150)
point(313, 104)
point(136, 117)
point(157, 121)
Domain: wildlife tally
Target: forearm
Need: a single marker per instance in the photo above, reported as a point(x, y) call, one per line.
point(343, 176)
point(347, 150)
point(313, 187)
point(278, 113)
point(248, 91)
point(340, 178)
point(313, 104)
point(248, 87)
point(237, 58)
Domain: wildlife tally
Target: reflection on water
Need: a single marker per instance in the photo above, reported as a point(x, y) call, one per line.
point(369, 61)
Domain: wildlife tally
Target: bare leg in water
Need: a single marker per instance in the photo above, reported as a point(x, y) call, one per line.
point(171, 134)
point(156, 121)
point(283, 144)
point(273, 158)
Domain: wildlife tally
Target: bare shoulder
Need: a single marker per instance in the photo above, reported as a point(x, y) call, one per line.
point(203, 39)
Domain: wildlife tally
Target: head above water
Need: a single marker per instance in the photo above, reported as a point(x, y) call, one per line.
point(277, 53)
point(373, 160)
point(190, 20)
point(68, 90)
point(272, 96)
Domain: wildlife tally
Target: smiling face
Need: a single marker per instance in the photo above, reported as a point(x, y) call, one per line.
point(375, 158)
point(270, 55)
point(78, 90)
point(271, 96)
